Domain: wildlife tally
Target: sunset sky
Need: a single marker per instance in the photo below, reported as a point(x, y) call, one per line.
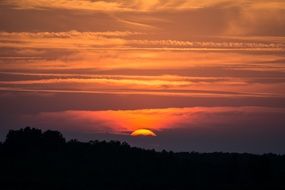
point(202, 75)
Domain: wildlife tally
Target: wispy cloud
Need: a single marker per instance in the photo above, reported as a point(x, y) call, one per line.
point(137, 5)
point(122, 39)
point(65, 4)
point(116, 5)
point(170, 19)
point(163, 85)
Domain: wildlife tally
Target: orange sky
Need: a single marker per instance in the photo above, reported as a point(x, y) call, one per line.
point(141, 63)
point(157, 120)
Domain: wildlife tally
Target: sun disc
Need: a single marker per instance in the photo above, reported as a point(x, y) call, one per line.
point(143, 132)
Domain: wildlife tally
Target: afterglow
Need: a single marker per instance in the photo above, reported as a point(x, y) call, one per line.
point(205, 74)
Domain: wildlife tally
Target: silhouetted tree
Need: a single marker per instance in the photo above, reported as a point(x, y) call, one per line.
point(32, 138)
point(24, 137)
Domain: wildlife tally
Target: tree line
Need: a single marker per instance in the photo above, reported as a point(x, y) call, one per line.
point(33, 159)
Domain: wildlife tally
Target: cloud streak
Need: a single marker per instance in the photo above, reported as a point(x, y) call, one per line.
point(164, 85)
point(170, 19)
point(137, 5)
point(115, 5)
point(121, 40)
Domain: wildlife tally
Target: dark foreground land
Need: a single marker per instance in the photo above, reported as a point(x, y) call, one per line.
point(32, 159)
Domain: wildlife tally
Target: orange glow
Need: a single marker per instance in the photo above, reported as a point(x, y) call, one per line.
point(120, 69)
point(143, 132)
point(143, 122)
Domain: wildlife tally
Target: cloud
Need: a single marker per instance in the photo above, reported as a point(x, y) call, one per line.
point(138, 5)
point(65, 4)
point(162, 85)
point(125, 40)
point(259, 20)
point(169, 19)
point(71, 39)
point(113, 5)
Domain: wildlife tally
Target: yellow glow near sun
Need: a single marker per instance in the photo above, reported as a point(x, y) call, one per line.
point(143, 132)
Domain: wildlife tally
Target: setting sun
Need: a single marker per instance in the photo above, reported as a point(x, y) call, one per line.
point(143, 132)
point(157, 94)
